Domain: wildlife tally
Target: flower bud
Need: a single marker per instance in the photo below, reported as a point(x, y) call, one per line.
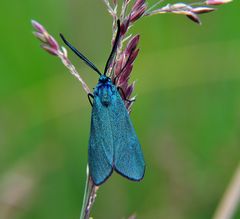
point(217, 2)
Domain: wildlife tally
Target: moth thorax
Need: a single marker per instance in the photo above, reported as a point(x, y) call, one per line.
point(106, 96)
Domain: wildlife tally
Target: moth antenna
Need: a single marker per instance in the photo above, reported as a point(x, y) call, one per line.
point(114, 49)
point(80, 55)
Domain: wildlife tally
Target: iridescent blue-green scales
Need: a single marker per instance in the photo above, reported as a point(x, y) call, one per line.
point(113, 143)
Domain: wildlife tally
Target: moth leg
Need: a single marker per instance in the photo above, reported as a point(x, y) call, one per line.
point(120, 90)
point(89, 98)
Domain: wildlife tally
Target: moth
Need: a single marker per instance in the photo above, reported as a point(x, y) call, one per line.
point(113, 143)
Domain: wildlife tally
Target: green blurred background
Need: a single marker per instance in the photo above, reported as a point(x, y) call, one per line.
point(187, 113)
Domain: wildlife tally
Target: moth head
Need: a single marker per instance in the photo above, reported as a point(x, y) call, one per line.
point(104, 79)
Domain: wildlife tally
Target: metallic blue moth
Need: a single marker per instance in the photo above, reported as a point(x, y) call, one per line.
point(113, 143)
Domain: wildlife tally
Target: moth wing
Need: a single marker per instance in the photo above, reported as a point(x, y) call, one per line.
point(100, 150)
point(128, 157)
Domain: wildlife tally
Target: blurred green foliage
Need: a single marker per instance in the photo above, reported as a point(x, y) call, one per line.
point(187, 113)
